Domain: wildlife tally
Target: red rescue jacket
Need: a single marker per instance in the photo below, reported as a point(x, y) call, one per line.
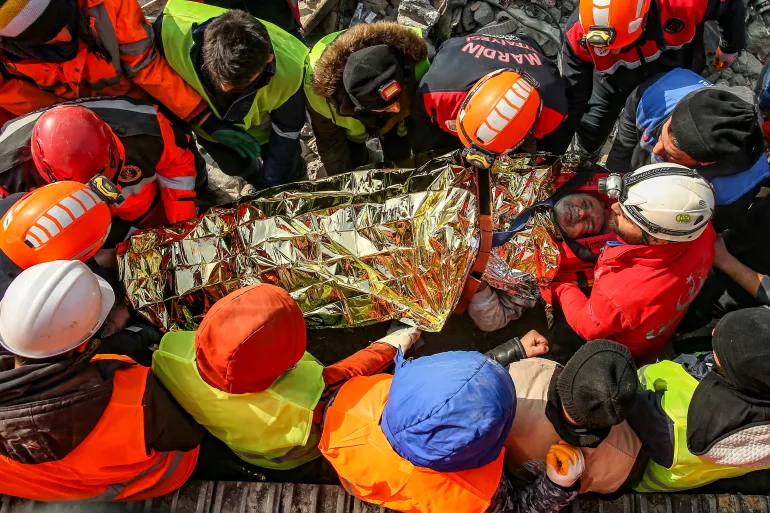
point(640, 293)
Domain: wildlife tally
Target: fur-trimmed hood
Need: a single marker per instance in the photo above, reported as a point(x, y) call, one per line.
point(327, 75)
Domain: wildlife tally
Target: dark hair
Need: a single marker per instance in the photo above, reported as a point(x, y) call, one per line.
point(236, 47)
point(674, 140)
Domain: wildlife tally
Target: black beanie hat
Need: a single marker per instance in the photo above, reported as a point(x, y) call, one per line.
point(39, 21)
point(598, 385)
point(742, 345)
point(710, 124)
point(374, 77)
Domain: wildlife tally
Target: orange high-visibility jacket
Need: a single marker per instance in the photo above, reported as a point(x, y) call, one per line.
point(135, 68)
point(112, 463)
point(370, 469)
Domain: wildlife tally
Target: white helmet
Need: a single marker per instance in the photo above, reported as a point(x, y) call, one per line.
point(668, 201)
point(52, 308)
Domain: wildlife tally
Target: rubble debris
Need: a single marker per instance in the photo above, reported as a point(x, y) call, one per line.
point(758, 41)
point(547, 4)
point(482, 13)
point(362, 15)
point(747, 65)
point(468, 20)
point(504, 25)
point(379, 7)
point(417, 13)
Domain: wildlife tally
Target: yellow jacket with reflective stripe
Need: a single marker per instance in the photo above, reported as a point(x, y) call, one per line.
point(355, 130)
point(687, 471)
point(289, 52)
point(271, 429)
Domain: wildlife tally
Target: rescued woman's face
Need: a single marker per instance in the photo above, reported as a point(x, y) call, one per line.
point(579, 215)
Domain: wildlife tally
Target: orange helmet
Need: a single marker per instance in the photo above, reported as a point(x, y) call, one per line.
point(499, 112)
point(613, 24)
point(61, 221)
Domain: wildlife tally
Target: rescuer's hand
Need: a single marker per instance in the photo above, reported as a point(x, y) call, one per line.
point(565, 464)
point(723, 60)
point(243, 143)
point(401, 335)
point(534, 344)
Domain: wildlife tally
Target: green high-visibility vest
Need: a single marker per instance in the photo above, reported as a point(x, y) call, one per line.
point(271, 429)
point(290, 55)
point(687, 471)
point(356, 131)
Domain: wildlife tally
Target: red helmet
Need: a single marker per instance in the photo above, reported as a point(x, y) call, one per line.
point(70, 142)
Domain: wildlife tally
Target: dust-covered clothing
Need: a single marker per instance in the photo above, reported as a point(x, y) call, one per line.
point(607, 466)
point(542, 496)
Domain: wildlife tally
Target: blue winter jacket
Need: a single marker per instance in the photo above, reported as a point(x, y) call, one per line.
point(647, 109)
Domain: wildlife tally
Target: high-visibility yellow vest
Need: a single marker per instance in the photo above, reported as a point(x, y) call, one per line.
point(687, 471)
point(271, 429)
point(290, 55)
point(355, 130)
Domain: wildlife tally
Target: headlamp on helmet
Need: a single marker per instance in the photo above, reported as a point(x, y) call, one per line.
point(600, 36)
point(668, 201)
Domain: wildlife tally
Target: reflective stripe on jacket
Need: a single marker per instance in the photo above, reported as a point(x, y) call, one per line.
point(352, 441)
point(159, 168)
point(179, 16)
point(271, 429)
point(687, 471)
point(112, 463)
point(135, 68)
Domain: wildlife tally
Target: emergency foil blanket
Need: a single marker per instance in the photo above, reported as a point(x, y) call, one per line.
point(354, 249)
point(517, 183)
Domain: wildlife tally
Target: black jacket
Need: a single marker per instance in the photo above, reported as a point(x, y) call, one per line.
point(8, 270)
point(47, 410)
point(737, 425)
point(442, 90)
point(623, 73)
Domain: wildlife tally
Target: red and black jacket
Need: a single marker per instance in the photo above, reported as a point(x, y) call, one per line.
point(463, 61)
point(158, 175)
point(673, 38)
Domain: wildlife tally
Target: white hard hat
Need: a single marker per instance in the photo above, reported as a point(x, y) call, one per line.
point(52, 308)
point(668, 201)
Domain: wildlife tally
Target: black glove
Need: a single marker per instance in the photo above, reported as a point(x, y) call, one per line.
point(507, 352)
point(138, 341)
